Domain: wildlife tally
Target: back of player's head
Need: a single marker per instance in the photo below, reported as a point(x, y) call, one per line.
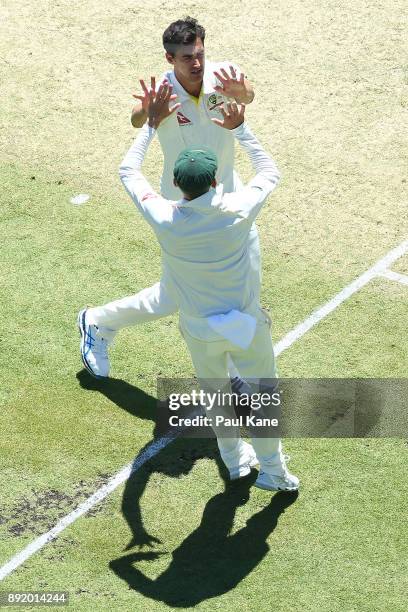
point(194, 170)
point(182, 32)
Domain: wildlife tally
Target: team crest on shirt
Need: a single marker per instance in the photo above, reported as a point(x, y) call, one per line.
point(182, 119)
point(214, 102)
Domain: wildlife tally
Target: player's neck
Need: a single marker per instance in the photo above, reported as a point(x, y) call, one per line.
point(193, 89)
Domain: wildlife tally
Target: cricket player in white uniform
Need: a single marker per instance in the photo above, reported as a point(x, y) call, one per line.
point(206, 268)
point(201, 88)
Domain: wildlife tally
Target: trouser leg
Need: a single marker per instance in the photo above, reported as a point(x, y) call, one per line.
point(255, 271)
point(148, 305)
point(258, 364)
point(210, 360)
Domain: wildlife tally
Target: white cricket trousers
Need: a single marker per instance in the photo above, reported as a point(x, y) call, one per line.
point(210, 360)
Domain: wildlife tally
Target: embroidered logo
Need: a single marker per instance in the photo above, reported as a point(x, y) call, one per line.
point(182, 119)
point(214, 101)
point(215, 106)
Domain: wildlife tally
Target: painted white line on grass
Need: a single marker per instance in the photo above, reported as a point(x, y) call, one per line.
point(155, 447)
point(317, 315)
point(395, 276)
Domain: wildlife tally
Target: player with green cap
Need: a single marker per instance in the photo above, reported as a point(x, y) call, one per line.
point(195, 170)
point(201, 87)
point(206, 267)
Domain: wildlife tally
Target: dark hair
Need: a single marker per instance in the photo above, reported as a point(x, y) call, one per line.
point(182, 32)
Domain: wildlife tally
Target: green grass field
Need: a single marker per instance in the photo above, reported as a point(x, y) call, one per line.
point(331, 106)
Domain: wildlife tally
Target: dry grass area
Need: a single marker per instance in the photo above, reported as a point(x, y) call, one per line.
point(331, 104)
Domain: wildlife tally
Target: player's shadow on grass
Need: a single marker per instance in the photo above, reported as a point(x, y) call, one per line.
point(126, 396)
point(209, 562)
point(174, 460)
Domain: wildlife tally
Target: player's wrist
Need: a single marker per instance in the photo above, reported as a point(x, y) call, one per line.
point(239, 129)
point(244, 99)
point(138, 117)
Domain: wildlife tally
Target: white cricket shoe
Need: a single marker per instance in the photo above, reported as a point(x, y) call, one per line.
point(249, 460)
point(282, 480)
point(94, 346)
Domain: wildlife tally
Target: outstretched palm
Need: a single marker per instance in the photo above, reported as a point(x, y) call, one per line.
point(144, 99)
point(149, 96)
point(159, 108)
point(233, 115)
point(231, 87)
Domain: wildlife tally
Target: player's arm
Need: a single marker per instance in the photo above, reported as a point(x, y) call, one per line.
point(140, 109)
point(153, 207)
point(249, 200)
point(137, 186)
point(234, 86)
point(139, 115)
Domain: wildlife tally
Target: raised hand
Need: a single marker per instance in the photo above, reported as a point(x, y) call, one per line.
point(231, 87)
point(145, 97)
point(158, 107)
point(233, 116)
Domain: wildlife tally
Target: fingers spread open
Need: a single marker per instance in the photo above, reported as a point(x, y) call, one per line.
point(169, 89)
point(165, 93)
point(220, 78)
point(175, 107)
point(225, 74)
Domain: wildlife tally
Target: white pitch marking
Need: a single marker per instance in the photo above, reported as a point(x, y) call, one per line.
point(317, 315)
point(81, 198)
point(395, 276)
point(155, 447)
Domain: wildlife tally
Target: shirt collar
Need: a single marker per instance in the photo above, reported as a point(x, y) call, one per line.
point(205, 203)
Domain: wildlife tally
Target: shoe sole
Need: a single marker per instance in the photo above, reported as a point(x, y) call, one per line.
point(268, 488)
point(82, 333)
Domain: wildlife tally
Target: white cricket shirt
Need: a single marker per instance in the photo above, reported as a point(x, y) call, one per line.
point(205, 255)
point(192, 126)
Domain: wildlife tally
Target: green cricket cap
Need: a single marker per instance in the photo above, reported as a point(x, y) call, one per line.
point(195, 169)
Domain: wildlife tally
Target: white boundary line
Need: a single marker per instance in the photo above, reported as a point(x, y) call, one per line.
point(317, 315)
point(155, 447)
point(395, 276)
